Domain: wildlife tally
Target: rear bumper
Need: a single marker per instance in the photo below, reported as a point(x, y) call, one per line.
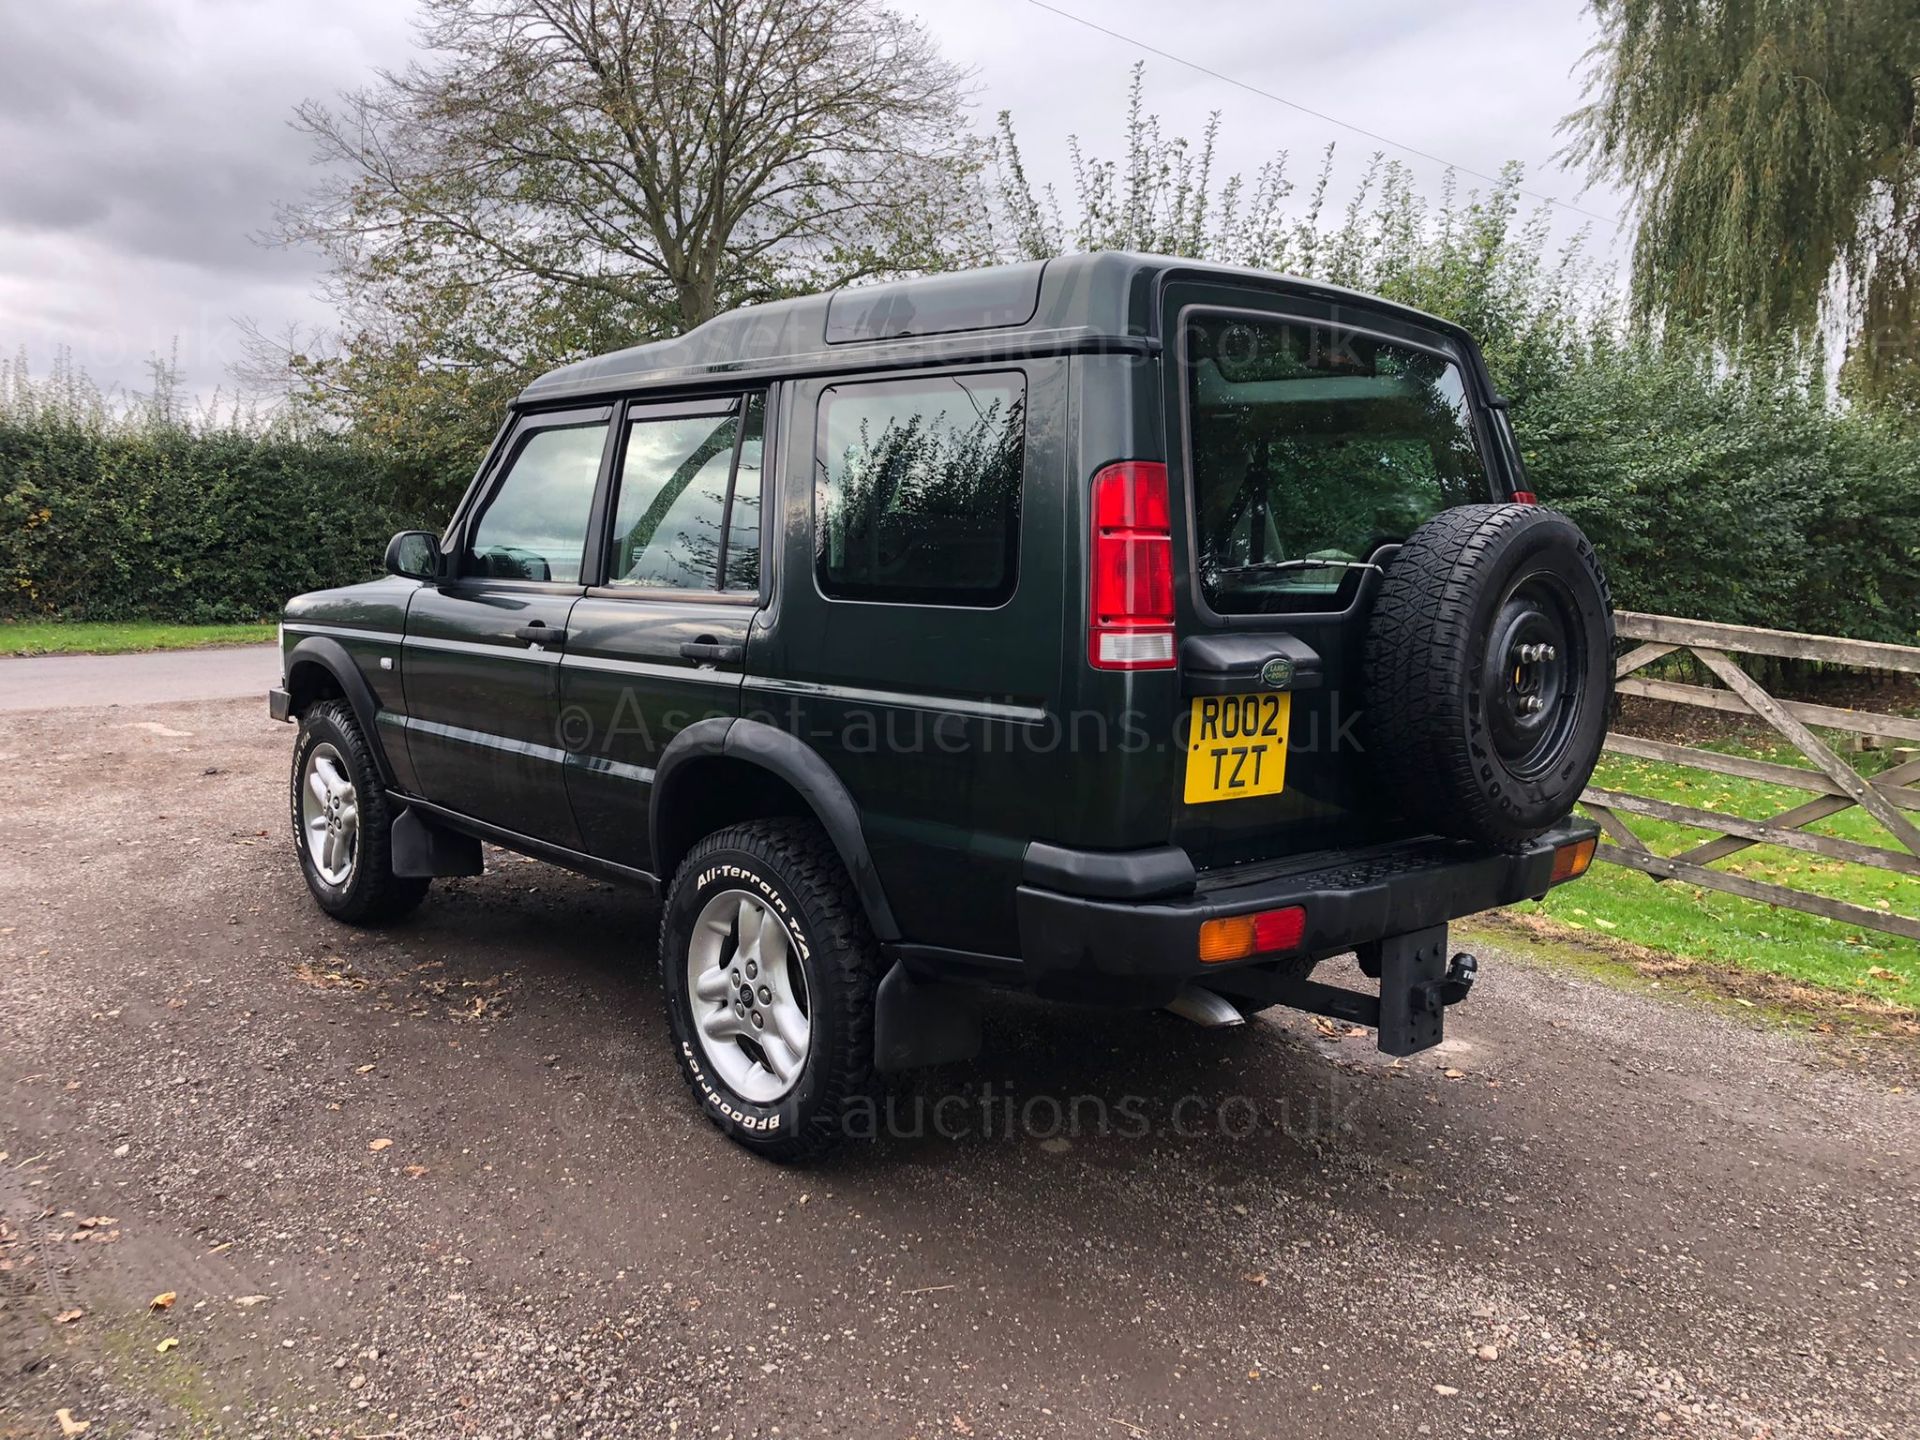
point(1351, 899)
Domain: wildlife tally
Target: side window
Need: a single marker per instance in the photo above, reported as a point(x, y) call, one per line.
point(743, 517)
point(534, 526)
point(917, 488)
point(673, 525)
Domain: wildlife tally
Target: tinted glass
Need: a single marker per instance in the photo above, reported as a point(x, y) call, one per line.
point(743, 519)
point(917, 489)
point(673, 502)
point(1312, 447)
point(535, 525)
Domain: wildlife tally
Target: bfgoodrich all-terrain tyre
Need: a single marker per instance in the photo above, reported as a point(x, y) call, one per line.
point(1489, 664)
point(769, 970)
point(342, 823)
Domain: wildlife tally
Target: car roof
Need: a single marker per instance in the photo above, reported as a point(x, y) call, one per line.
point(1101, 301)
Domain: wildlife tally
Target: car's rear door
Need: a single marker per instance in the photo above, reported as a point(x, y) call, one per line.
point(659, 640)
point(1306, 439)
point(482, 652)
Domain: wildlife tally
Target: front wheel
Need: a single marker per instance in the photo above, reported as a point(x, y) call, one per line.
point(769, 971)
point(343, 823)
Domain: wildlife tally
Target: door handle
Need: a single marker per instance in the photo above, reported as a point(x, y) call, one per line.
point(714, 654)
point(541, 633)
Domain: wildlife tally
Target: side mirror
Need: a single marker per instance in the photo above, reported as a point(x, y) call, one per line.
point(414, 554)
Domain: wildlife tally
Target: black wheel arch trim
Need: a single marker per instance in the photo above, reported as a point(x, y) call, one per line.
point(800, 766)
point(330, 655)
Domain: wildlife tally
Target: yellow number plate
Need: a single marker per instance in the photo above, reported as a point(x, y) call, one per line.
point(1237, 746)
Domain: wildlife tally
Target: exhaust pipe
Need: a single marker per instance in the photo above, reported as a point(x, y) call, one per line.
point(1205, 1007)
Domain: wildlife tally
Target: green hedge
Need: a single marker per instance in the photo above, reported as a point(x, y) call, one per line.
point(1733, 494)
point(168, 524)
point(1737, 495)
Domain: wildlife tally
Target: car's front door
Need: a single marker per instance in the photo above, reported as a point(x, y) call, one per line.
point(659, 640)
point(482, 653)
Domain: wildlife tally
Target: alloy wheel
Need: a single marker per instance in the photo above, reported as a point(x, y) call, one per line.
point(749, 996)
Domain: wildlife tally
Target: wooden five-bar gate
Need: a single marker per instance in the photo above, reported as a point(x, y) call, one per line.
point(1835, 784)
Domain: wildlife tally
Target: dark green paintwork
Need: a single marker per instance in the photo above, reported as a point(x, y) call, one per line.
point(961, 734)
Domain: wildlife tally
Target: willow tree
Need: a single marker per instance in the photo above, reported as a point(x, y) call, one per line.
point(1770, 147)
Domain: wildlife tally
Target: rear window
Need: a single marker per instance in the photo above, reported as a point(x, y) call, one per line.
point(917, 488)
point(1313, 446)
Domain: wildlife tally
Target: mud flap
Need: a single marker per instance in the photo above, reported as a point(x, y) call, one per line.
point(421, 848)
point(922, 1022)
point(1413, 972)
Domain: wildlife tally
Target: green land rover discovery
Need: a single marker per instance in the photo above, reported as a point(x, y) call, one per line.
point(1115, 628)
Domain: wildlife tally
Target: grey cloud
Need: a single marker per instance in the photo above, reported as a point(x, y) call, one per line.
point(142, 147)
point(143, 144)
point(71, 64)
point(162, 136)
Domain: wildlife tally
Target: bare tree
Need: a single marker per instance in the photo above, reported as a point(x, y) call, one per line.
point(554, 177)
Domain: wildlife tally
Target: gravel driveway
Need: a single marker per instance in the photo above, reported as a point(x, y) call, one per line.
point(443, 1180)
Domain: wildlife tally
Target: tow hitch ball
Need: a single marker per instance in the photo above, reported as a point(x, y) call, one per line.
point(1430, 997)
point(1452, 988)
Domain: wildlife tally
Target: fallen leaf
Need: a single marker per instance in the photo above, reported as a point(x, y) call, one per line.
point(69, 1426)
point(1880, 972)
point(247, 1302)
point(67, 1317)
point(1454, 1074)
point(414, 1172)
point(1259, 1279)
point(166, 1345)
point(223, 1245)
point(363, 1069)
point(380, 1144)
point(163, 1301)
point(962, 1426)
point(1487, 1352)
point(1445, 1391)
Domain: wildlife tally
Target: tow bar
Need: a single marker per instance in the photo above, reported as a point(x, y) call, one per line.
point(1417, 984)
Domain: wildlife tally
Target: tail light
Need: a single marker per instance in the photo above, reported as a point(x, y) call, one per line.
point(1130, 586)
point(1268, 932)
point(1570, 861)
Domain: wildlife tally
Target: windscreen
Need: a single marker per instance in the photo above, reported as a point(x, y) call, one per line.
point(1314, 445)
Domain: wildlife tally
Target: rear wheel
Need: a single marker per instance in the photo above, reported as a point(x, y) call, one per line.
point(769, 970)
point(343, 823)
point(1489, 665)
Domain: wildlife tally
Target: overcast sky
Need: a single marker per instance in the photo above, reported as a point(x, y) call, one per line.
point(143, 143)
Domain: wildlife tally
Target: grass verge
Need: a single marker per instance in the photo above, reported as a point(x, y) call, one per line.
point(1614, 907)
point(72, 637)
point(1755, 993)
